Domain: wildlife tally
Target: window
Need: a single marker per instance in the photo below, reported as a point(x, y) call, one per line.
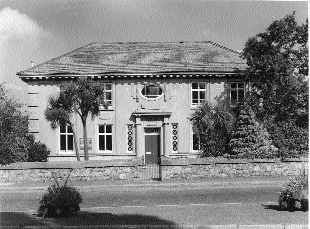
point(105, 138)
point(237, 92)
point(198, 93)
point(151, 91)
point(196, 142)
point(66, 139)
point(106, 101)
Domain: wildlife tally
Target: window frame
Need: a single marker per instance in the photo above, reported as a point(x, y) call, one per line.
point(237, 89)
point(192, 141)
point(150, 98)
point(101, 106)
point(105, 139)
point(66, 151)
point(198, 90)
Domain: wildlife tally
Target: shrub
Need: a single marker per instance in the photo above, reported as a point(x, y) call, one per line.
point(249, 139)
point(213, 125)
point(37, 151)
point(295, 194)
point(290, 139)
point(60, 201)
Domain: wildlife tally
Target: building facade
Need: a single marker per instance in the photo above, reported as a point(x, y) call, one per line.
point(151, 88)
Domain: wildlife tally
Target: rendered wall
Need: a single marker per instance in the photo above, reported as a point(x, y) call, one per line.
point(127, 100)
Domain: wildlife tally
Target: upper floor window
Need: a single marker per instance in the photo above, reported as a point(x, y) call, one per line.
point(106, 101)
point(66, 139)
point(237, 92)
point(151, 91)
point(198, 93)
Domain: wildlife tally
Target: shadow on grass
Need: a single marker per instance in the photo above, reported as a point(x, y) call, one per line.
point(278, 208)
point(83, 218)
point(272, 206)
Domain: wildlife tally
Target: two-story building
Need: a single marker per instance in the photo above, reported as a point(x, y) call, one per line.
point(152, 89)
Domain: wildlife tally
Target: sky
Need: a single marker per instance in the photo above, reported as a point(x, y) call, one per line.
point(40, 30)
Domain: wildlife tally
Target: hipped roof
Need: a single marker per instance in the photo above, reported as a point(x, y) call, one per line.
point(141, 58)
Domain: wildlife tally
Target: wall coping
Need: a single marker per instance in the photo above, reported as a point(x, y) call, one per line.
point(138, 162)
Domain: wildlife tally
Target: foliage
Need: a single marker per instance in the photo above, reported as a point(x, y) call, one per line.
point(249, 139)
point(295, 194)
point(59, 112)
point(213, 125)
point(60, 200)
point(37, 151)
point(15, 143)
point(85, 96)
point(13, 129)
point(289, 138)
point(278, 68)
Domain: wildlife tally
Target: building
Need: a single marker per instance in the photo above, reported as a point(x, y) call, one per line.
point(152, 89)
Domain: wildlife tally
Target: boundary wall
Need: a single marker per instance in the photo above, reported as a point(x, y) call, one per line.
point(131, 169)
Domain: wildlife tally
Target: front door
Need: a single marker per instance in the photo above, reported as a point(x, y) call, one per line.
point(152, 154)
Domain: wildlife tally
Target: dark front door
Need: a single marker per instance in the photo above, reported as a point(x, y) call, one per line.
point(152, 143)
point(152, 154)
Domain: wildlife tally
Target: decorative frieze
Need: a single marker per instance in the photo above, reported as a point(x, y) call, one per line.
point(130, 140)
point(175, 134)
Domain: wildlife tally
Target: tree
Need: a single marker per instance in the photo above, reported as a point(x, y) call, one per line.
point(87, 95)
point(81, 97)
point(249, 139)
point(278, 70)
point(213, 125)
point(13, 129)
point(59, 112)
point(16, 144)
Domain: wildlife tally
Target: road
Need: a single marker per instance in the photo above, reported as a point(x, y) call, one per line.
point(168, 205)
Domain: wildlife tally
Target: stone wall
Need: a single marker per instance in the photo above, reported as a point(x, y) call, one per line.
point(132, 169)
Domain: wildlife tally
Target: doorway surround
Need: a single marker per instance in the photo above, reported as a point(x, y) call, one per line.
point(154, 119)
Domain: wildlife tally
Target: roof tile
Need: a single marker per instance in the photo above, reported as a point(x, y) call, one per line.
point(142, 58)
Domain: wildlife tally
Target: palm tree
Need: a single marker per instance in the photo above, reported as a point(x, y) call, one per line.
point(81, 97)
point(59, 112)
point(86, 97)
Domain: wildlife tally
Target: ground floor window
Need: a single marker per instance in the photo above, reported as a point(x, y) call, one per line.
point(66, 139)
point(105, 138)
point(196, 142)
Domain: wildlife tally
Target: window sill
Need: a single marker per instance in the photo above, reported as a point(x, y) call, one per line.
point(109, 109)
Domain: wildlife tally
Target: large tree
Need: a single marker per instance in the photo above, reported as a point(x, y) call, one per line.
point(16, 144)
point(278, 68)
point(81, 97)
point(13, 130)
point(59, 111)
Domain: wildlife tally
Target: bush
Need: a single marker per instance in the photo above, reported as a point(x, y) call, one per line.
point(294, 195)
point(60, 201)
point(290, 139)
point(249, 139)
point(37, 151)
point(213, 125)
